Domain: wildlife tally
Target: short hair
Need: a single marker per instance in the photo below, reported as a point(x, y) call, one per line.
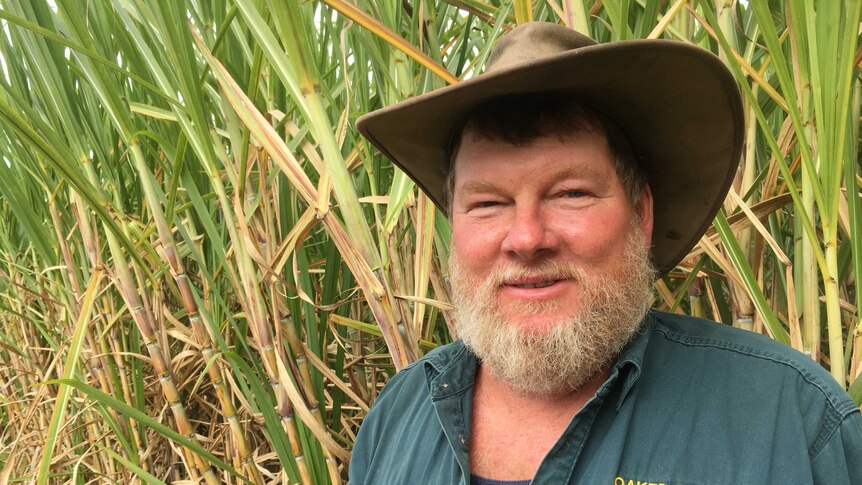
point(522, 119)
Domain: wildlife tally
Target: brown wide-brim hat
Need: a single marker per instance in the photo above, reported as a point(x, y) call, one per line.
point(678, 104)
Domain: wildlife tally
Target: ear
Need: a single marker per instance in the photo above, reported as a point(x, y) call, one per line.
point(644, 207)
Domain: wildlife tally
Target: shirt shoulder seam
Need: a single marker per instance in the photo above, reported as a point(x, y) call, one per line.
point(837, 410)
point(826, 435)
point(842, 407)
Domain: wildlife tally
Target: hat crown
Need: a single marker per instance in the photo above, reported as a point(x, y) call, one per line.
point(533, 41)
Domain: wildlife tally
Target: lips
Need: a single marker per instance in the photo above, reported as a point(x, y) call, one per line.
point(540, 284)
point(536, 289)
point(545, 281)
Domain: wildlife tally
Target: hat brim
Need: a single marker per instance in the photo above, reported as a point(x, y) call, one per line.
point(677, 102)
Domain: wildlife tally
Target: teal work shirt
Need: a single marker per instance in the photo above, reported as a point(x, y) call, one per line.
point(687, 402)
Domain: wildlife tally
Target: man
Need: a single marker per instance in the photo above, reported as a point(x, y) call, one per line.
point(574, 174)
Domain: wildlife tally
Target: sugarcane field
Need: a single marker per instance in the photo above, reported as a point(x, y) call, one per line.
point(210, 268)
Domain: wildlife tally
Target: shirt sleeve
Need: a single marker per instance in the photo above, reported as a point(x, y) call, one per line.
point(840, 459)
point(365, 446)
point(359, 457)
point(366, 443)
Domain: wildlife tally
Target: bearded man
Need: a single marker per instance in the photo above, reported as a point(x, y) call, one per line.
point(574, 174)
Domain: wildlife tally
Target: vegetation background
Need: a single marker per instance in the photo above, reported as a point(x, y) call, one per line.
point(207, 275)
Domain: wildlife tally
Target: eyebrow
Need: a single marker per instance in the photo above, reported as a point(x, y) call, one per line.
point(478, 187)
point(580, 171)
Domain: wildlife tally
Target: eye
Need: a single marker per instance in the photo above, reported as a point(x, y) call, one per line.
point(574, 193)
point(485, 203)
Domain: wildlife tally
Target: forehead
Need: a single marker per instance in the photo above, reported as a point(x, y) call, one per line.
point(573, 155)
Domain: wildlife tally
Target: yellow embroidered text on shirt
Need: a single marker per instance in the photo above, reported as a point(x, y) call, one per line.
point(623, 481)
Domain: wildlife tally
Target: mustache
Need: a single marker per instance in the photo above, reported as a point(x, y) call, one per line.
point(546, 270)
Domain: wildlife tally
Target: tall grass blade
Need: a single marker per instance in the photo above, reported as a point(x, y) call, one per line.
point(70, 367)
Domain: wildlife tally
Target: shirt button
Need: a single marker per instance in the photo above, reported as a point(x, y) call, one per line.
point(463, 439)
point(444, 385)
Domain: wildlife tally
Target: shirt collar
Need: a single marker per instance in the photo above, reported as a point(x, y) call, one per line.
point(450, 370)
point(630, 361)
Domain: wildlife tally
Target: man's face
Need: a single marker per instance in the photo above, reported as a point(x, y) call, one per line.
point(544, 241)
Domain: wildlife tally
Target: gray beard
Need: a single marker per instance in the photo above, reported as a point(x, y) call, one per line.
point(566, 354)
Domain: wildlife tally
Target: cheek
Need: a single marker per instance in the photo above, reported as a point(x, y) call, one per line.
point(474, 247)
point(596, 237)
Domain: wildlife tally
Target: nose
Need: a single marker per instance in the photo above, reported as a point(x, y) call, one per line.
point(529, 237)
